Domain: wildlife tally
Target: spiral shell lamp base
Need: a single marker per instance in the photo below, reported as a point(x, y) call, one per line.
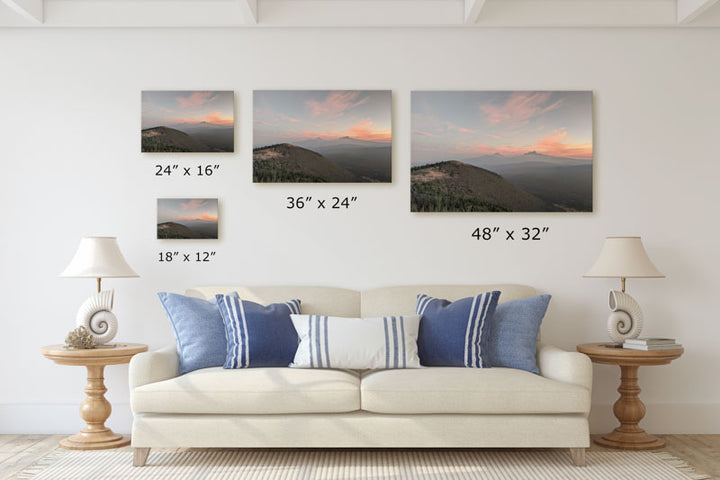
point(626, 319)
point(96, 315)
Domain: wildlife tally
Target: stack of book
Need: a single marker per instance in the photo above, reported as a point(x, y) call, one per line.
point(651, 344)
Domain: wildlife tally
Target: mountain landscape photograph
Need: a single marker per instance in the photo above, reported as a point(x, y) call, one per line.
point(502, 151)
point(319, 136)
point(187, 218)
point(188, 121)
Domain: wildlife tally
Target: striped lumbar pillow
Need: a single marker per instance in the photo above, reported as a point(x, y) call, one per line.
point(356, 343)
point(257, 335)
point(454, 334)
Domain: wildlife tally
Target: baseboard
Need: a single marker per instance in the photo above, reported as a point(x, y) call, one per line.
point(38, 418)
point(669, 418)
point(64, 418)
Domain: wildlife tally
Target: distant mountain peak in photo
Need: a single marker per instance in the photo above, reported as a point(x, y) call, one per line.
point(199, 125)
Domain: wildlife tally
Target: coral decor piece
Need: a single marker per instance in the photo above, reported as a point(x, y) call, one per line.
point(96, 316)
point(626, 319)
point(80, 338)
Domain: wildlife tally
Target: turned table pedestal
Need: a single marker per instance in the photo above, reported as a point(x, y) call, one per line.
point(629, 410)
point(95, 409)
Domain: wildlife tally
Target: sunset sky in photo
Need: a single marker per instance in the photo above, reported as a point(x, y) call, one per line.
point(296, 115)
point(181, 210)
point(461, 125)
point(178, 108)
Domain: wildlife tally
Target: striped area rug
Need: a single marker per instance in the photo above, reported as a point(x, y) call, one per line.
point(357, 464)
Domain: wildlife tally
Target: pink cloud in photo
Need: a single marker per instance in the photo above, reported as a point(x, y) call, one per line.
point(424, 134)
point(362, 131)
point(193, 203)
point(336, 103)
point(203, 217)
point(555, 146)
point(519, 108)
point(215, 118)
point(365, 131)
point(195, 99)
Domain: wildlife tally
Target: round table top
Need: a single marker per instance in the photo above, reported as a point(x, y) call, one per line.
point(612, 354)
point(112, 354)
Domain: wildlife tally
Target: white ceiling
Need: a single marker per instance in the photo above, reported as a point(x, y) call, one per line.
point(359, 13)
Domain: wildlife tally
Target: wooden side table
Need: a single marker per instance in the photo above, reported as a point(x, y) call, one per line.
point(629, 410)
point(95, 409)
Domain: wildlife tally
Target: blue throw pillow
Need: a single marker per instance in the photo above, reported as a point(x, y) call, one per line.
point(199, 331)
point(455, 334)
point(258, 336)
point(513, 333)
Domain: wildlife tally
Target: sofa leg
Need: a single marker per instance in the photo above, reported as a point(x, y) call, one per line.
point(140, 456)
point(578, 456)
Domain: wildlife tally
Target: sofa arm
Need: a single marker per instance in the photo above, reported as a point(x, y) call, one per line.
point(563, 366)
point(151, 367)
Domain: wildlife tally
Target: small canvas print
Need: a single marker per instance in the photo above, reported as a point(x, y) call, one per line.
point(322, 136)
point(188, 121)
point(502, 151)
point(187, 218)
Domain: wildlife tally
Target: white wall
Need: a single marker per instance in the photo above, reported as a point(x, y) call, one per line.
point(70, 166)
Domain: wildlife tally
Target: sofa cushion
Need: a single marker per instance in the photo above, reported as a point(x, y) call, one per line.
point(257, 335)
point(469, 390)
point(198, 329)
point(357, 343)
point(454, 334)
point(513, 333)
point(252, 391)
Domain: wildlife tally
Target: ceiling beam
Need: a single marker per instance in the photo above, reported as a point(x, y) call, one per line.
point(472, 10)
point(148, 13)
point(578, 13)
point(30, 9)
point(689, 10)
point(360, 13)
point(249, 8)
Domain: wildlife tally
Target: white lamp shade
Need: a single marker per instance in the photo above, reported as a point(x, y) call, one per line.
point(98, 257)
point(623, 257)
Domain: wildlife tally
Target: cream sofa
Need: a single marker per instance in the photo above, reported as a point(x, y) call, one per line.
point(434, 407)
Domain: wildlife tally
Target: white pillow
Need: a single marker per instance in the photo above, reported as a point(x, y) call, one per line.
point(356, 343)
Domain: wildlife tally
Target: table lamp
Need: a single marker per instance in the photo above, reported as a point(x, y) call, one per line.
point(623, 257)
point(98, 257)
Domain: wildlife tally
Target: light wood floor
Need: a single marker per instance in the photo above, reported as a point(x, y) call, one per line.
point(19, 451)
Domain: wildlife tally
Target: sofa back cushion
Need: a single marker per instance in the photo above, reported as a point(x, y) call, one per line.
point(401, 300)
point(315, 300)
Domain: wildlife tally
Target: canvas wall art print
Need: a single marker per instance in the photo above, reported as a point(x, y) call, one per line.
point(322, 136)
point(187, 218)
point(188, 121)
point(502, 151)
